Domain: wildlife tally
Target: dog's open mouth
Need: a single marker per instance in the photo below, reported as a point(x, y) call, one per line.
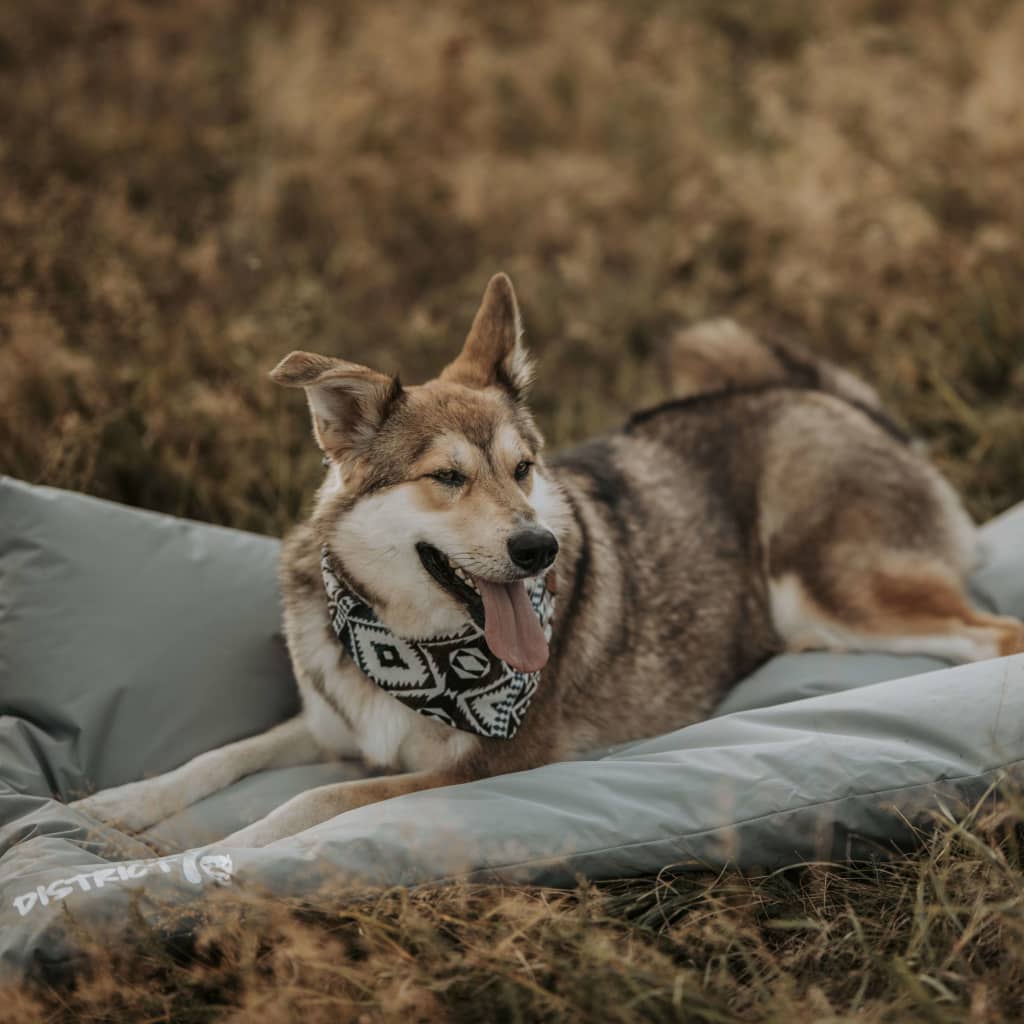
point(456, 581)
point(503, 610)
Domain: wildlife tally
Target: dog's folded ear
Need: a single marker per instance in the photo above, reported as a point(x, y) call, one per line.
point(348, 402)
point(493, 353)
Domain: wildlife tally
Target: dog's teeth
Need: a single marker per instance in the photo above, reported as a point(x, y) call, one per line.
point(464, 577)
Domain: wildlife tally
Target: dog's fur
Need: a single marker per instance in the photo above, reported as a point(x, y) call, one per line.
point(771, 506)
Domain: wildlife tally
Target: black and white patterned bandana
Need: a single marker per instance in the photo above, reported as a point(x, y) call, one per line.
point(454, 678)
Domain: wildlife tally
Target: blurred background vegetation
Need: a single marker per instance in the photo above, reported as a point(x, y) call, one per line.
point(188, 191)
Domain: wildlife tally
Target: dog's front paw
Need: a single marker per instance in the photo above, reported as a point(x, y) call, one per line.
point(291, 817)
point(259, 833)
point(249, 838)
point(130, 808)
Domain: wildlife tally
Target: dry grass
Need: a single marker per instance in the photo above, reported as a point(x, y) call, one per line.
point(187, 191)
point(934, 937)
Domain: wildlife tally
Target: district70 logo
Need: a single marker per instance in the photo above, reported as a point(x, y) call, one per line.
point(195, 868)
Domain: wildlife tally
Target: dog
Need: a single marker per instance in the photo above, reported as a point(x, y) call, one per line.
point(459, 606)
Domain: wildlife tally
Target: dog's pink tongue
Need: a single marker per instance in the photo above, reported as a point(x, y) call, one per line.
point(511, 626)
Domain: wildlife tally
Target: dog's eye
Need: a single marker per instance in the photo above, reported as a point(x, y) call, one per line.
point(523, 469)
point(449, 477)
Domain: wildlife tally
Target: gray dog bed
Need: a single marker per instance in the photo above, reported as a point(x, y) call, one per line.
point(131, 641)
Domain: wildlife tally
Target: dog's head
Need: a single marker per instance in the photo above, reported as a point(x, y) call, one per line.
point(436, 504)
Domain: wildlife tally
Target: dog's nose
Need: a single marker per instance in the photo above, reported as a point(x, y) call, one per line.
point(532, 548)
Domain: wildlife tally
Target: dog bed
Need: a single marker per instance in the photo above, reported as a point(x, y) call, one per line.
point(131, 641)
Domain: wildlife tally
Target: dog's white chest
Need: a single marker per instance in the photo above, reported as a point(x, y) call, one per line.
point(349, 715)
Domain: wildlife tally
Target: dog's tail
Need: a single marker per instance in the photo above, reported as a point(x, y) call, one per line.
point(720, 355)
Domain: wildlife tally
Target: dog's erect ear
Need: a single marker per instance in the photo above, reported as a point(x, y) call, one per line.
point(493, 353)
point(348, 402)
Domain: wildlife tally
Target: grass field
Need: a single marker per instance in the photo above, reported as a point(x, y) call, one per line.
point(188, 191)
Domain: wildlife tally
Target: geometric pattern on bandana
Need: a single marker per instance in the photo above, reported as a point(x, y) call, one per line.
point(454, 678)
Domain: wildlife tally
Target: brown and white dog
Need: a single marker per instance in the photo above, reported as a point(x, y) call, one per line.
point(771, 506)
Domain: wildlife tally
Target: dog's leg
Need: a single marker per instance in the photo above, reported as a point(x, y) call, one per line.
point(900, 609)
point(326, 802)
point(138, 805)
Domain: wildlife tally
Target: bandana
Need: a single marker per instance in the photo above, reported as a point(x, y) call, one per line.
point(454, 678)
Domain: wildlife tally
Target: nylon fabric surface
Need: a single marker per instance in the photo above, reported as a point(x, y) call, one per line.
point(131, 641)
